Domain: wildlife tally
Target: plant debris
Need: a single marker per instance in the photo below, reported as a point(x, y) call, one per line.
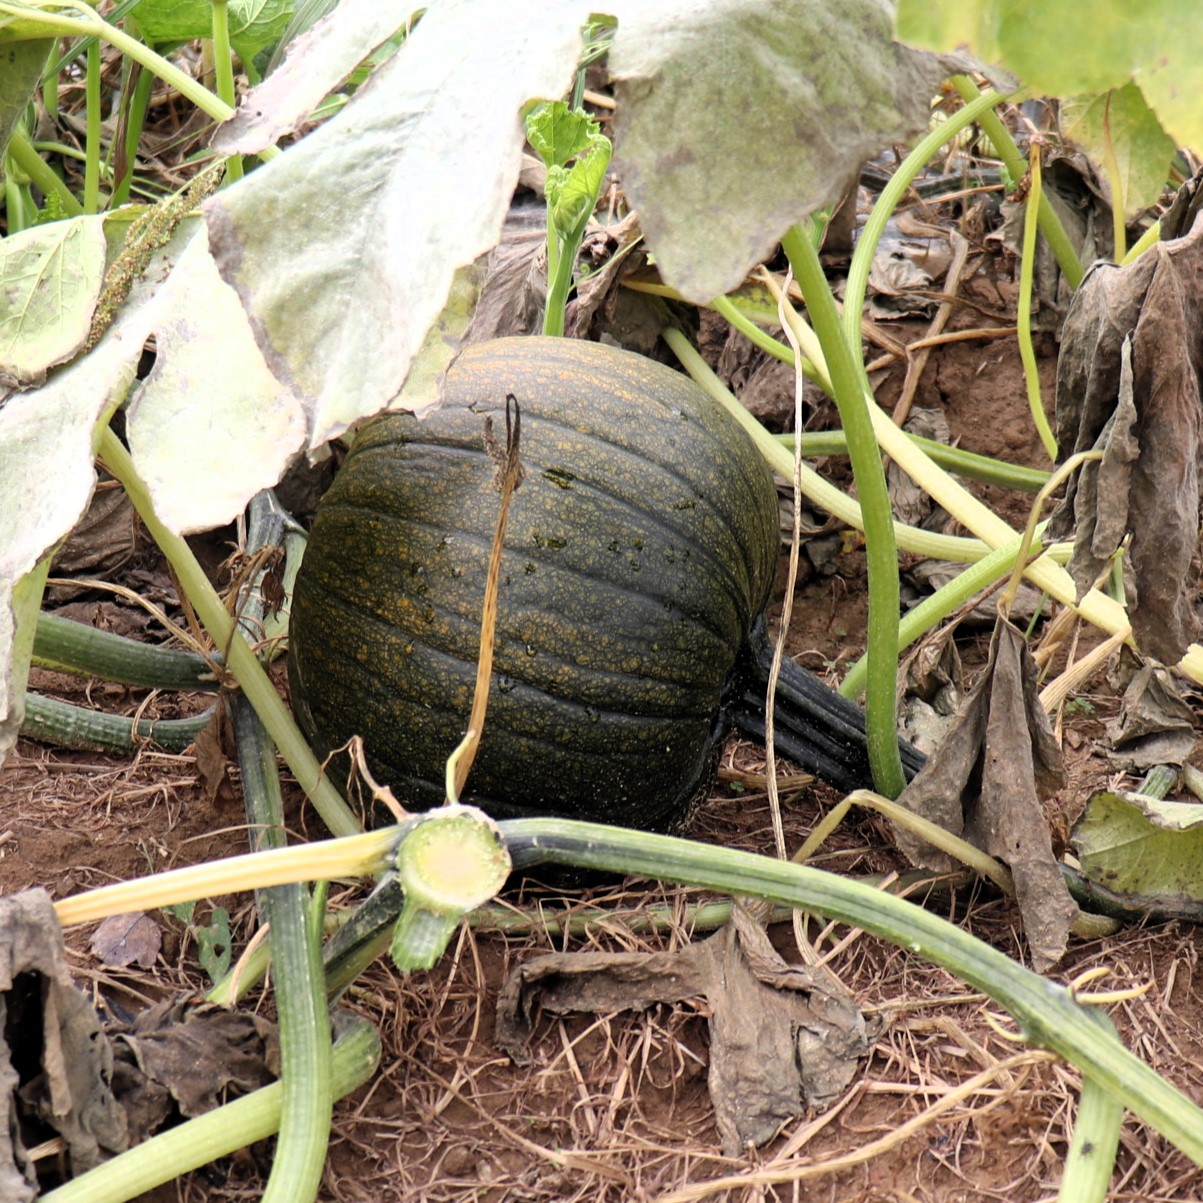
point(782, 1037)
point(128, 940)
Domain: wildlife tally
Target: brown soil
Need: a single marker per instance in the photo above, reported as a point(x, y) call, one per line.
point(615, 1108)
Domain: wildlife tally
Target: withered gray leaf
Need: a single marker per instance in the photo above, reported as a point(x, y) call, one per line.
point(616, 252)
point(1103, 499)
point(1155, 724)
point(128, 940)
point(985, 782)
point(190, 1059)
point(514, 288)
point(1128, 381)
point(782, 1037)
point(1187, 203)
point(58, 1033)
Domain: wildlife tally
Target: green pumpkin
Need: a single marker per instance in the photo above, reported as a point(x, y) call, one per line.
point(639, 556)
point(640, 546)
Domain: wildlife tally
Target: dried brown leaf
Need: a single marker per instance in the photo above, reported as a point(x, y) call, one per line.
point(985, 782)
point(128, 940)
point(212, 755)
point(1128, 382)
point(782, 1037)
point(1155, 724)
point(190, 1060)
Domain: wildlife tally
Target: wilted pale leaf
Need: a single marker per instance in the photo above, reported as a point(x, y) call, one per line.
point(20, 603)
point(1142, 148)
point(316, 63)
point(737, 119)
point(1060, 48)
point(344, 248)
point(50, 277)
point(46, 477)
point(423, 385)
point(210, 426)
point(46, 461)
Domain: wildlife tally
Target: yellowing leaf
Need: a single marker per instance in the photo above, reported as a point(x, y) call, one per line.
point(1147, 851)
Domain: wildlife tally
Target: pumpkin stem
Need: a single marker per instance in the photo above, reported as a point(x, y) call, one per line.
point(819, 729)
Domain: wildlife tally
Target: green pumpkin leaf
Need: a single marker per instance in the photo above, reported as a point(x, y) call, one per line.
point(572, 191)
point(21, 65)
point(1143, 150)
point(253, 23)
point(1060, 49)
point(213, 944)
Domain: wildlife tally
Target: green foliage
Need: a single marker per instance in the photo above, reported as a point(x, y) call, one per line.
point(21, 66)
point(557, 134)
point(1060, 48)
point(253, 23)
point(576, 154)
point(572, 191)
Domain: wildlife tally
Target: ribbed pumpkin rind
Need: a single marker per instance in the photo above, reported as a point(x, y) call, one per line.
point(640, 546)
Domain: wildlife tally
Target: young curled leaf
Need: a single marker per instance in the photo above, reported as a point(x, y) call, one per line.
point(557, 134)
